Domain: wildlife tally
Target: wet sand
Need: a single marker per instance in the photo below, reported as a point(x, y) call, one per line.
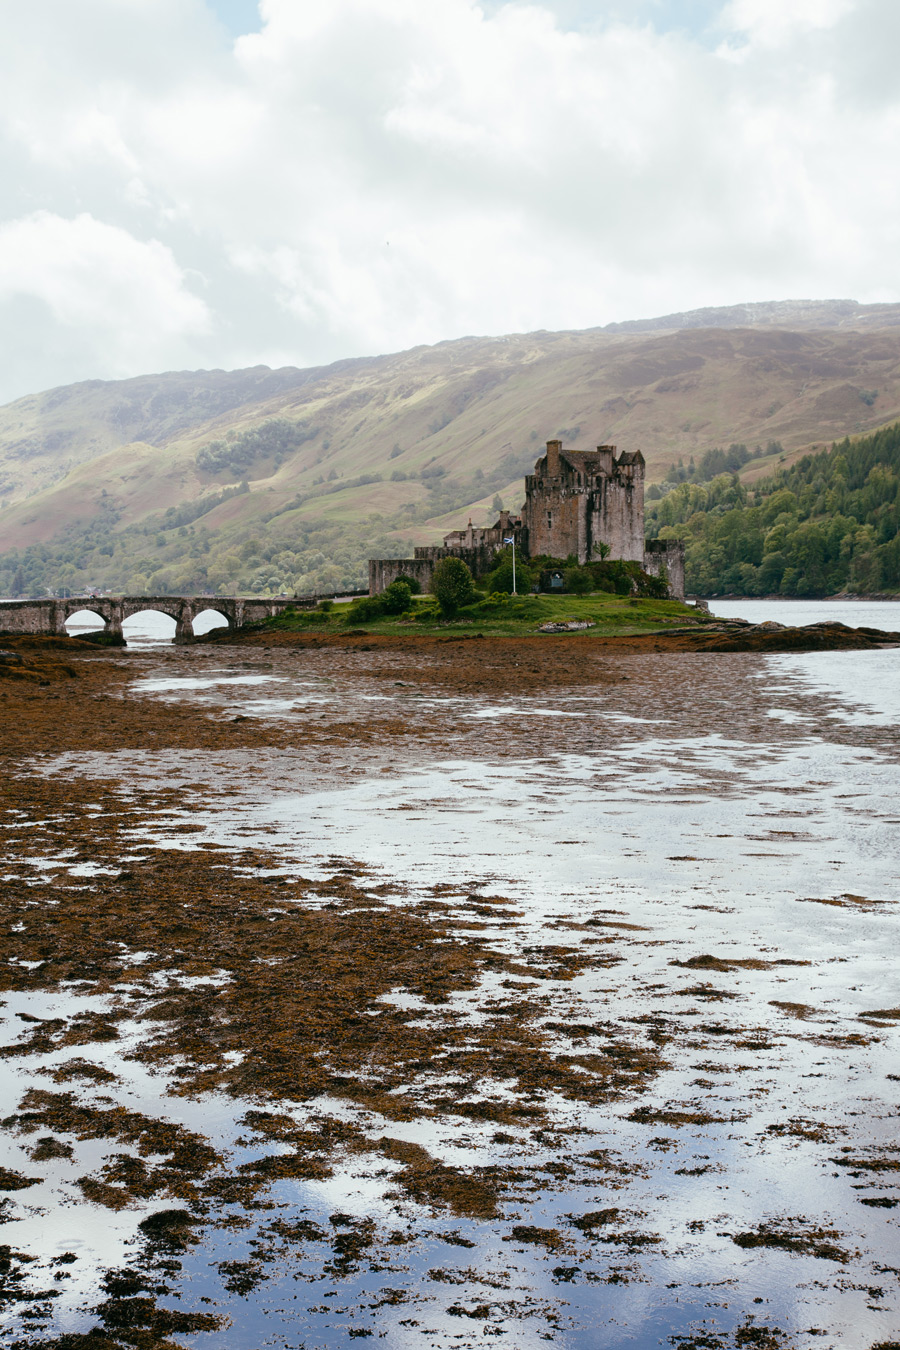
point(429, 992)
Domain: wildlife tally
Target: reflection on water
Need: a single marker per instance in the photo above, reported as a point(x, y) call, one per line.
point(181, 683)
point(868, 690)
point(854, 613)
point(727, 867)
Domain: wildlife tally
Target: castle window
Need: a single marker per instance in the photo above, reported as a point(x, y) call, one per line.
point(549, 520)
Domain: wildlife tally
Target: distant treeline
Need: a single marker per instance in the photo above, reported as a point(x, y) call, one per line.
point(829, 523)
point(710, 465)
point(176, 552)
point(274, 440)
point(174, 516)
point(166, 556)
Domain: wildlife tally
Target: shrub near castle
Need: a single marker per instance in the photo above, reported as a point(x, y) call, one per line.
point(452, 585)
point(395, 599)
point(501, 579)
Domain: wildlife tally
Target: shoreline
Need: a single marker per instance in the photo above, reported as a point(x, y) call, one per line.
point(801, 599)
point(713, 637)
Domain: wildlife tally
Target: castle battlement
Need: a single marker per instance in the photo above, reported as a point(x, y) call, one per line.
point(577, 500)
point(589, 503)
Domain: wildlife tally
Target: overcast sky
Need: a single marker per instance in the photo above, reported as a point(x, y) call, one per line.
point(196, 183)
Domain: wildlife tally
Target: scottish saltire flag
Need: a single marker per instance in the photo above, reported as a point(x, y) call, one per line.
point(510, 540)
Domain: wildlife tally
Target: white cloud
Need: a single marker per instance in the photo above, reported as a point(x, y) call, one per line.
point(369, 174)
point(771, 23)
point(123, 302)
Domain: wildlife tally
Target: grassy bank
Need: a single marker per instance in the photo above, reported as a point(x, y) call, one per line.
point(507, 616)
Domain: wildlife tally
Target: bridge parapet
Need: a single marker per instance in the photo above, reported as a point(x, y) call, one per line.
point(49, 616)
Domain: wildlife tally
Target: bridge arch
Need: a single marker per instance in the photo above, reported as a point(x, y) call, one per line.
point(209, 616)
point(85, 619)
point(177, 607)
point(149, 621)
point(51, 614)
point(172, 605)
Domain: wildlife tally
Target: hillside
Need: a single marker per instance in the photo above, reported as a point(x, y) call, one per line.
point(829, 523)
point(261, 479)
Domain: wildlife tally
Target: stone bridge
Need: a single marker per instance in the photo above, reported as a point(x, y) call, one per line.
point(49, 616)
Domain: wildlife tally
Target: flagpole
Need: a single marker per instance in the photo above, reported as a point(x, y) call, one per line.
point(512, 540)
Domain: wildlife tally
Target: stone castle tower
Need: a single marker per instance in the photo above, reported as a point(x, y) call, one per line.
point(577, 500)
point(574, 501)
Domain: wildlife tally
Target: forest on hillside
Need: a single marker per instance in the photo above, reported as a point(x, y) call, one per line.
point(826, 524)
point(829, 523)
point(290, 549)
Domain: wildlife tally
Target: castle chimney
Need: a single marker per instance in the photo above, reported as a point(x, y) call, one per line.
point(606, 457)
point(553, 449)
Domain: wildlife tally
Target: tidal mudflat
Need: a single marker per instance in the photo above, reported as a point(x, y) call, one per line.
point(454, 992)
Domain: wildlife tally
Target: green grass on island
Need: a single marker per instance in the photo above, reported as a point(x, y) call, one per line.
point(499, 616)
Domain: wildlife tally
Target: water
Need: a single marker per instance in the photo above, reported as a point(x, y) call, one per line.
point(733, 805)
point(869, 689)
point(854, 613)
point(147, 629)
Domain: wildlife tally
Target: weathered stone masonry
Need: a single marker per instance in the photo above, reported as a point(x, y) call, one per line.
point(478, 548)
point(49, 616)
point(575, 501)
point(382, 571)
point(668, 554)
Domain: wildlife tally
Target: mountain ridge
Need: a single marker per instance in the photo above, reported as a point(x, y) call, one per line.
point(397, 446)
point(769, 313)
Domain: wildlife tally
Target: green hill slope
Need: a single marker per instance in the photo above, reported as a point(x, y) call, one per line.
point(260, 479)
point(829, 523)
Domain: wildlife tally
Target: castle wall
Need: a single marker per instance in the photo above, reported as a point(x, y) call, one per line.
point(492, 537)
point(617, 515)
point(575, 501)
point(382, 571)
point(551, 515)
point(480, 556)
point(668, 554)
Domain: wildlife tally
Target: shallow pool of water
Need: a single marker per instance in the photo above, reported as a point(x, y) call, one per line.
point(718, 836)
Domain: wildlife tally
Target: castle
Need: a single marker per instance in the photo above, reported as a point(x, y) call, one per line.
point(576, 502)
